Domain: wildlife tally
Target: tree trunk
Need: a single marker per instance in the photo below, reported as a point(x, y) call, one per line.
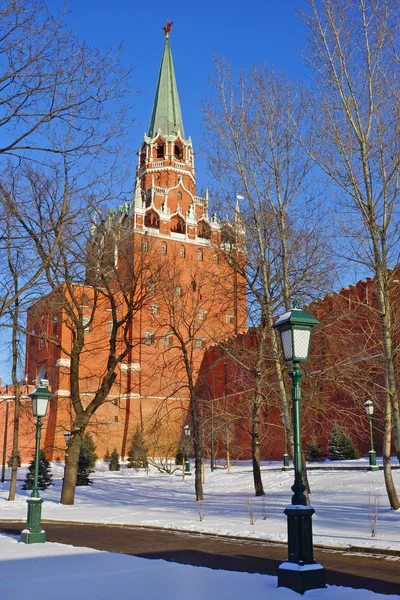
point(17, 391)
point(255, 451)
point(387, 469)
point(72, 460)
point(15, 449)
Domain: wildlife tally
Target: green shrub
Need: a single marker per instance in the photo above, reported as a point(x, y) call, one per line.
point(114, 461)
point(341, 446)
point(45, 477)
point(137, 455)
point(87, 460)
point(314, 451)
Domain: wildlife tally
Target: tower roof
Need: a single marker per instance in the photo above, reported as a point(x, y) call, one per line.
point(166, 114)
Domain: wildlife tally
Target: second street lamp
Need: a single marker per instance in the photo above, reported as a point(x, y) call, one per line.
point(33, 533)
point(369, 408)
point(300, 572)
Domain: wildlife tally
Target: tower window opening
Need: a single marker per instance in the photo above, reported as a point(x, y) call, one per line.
point(229, 319)
point(145, 247)
point(179, 195)
point(164, 249)
point(178, 225)
point(152, 219)
point(154, 308)
point(160, 151)
point(204, 230)
point(182, 252)
point(194, 285)
point(167, 341)
point(228, 236)
point(216, 259)
point(178, 151)
point(200, 255)
point(178, 291)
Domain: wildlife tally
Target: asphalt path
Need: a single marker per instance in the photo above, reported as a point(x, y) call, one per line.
point(378, 574)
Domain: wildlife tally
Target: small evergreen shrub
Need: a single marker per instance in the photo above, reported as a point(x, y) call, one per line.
point(87, 460)
point(45, 476)
point(10, 460)
point(114, 461)
point(137, 455)
point(341, 446)
point(314, 451)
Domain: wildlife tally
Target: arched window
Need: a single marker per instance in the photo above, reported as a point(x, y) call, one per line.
point(178, 225)
point(145, 246)
point(179, 196)
point(216, 259)
point(204, 230)
point(194, 285)
point(151, 219)
point(164, 249)
point(200, 255)
point(160, 151)
point(182, 252)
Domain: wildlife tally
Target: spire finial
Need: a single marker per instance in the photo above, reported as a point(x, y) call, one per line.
point(167, 28)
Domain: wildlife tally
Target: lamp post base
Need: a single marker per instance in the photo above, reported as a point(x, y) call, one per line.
point(34, 534)
point(286, 465)
point(372, 461)
point(301, 578)
point(300, 573)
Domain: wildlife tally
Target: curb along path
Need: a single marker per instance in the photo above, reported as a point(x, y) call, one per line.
point(344, 568)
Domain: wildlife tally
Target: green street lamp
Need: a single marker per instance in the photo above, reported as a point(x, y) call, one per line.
point(286, 465)
point(369, 408)
point(300, 572)
point(186, 431)
point(33, 533)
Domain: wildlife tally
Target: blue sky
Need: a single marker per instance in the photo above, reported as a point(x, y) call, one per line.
point(244, 33)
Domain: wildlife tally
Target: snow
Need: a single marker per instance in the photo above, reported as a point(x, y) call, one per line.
point(49, 571)
point(340, 500)
point(295, 567)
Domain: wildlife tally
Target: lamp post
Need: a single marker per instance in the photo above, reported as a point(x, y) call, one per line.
point(186, 431)
point(300, 572)
point(33, 533)
point(369, 408)
point(67, 437)
point(286, 465)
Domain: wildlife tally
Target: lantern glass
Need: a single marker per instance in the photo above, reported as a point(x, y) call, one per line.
point(369, 407)
point(39, 406)
point(301, 342)
point(286, 338)
point(67, 436)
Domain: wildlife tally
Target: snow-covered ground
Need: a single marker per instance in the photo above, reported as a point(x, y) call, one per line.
point(340, 499)
point(49, 571)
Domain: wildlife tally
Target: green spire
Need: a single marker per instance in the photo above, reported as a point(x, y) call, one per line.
point(166, 115)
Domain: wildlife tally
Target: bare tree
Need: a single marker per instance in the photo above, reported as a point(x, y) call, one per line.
point(61, 110)
point(192, 307)
point(254, 151)
point(352, 48)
